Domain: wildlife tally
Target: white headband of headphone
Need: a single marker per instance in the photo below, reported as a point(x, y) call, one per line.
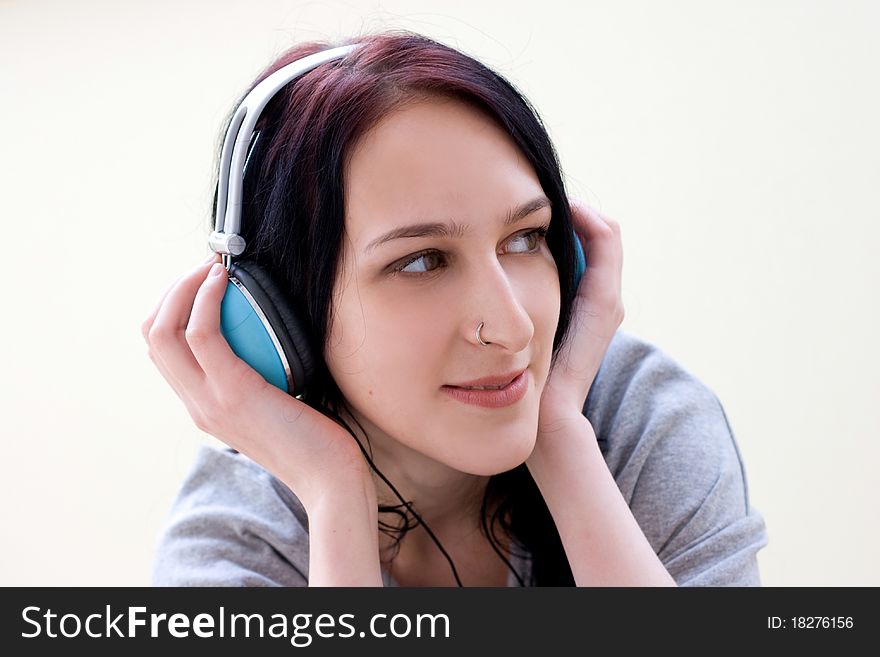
point(239, 140)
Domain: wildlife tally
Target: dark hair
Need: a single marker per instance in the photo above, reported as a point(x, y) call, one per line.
point(293, 219)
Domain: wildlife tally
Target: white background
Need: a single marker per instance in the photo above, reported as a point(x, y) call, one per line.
point(736, 142)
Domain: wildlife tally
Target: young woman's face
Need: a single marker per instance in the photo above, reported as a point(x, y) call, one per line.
point(406, 308)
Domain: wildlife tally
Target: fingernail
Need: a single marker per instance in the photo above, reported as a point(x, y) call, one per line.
point(217, 269)
point(211, 257)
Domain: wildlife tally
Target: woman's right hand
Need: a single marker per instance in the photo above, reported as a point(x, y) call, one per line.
point(228, 399)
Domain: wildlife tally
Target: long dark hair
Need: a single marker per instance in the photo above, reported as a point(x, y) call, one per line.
point(293, 222)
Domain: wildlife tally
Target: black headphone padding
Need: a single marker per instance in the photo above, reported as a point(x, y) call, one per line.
point(288, 328)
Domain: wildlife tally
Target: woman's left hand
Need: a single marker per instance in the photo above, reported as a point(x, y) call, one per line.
point(596, 315)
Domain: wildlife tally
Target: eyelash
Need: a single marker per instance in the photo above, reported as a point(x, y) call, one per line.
point(397, 270)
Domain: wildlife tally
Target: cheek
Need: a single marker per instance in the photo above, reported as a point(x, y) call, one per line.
point(541, 298)
point(543, 307)
point(545, 300)
point(382, 354)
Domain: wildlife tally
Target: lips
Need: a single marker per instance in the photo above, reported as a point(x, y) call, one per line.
point(509, 395)
point(495, 381)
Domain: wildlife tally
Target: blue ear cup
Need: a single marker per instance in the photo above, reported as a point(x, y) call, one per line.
point(263, 330)
point(581, 266)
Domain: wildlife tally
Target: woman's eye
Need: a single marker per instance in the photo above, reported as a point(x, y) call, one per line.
point(429, 261)
point(423, 263)
point(532, 240)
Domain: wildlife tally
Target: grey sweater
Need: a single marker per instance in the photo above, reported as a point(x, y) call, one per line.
point(663, 433)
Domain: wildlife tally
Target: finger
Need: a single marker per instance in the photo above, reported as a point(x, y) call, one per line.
point(591, 209)
point(600, 236)
point(147, 323)
point(192, 408)
point(167, 335)
point(604, 253)
point(208, 345)
point(174, 383)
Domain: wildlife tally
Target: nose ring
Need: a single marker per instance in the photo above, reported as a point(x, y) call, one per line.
point(479, 339)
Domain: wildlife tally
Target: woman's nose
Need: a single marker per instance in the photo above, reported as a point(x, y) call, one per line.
point(496, 303)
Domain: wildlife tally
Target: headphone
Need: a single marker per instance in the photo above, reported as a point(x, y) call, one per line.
point(255, 317)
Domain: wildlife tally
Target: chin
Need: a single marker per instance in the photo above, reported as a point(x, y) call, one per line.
point(502, 456)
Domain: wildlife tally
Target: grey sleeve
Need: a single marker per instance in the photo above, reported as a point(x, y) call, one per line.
point(232, 524)
point(667, 440)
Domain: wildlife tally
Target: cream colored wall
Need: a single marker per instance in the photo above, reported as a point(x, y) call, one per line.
point(736, 142)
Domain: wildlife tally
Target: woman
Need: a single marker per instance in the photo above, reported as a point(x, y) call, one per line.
point(599, 462)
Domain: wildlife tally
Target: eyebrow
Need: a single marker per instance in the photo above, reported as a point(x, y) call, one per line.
point(453, 229)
